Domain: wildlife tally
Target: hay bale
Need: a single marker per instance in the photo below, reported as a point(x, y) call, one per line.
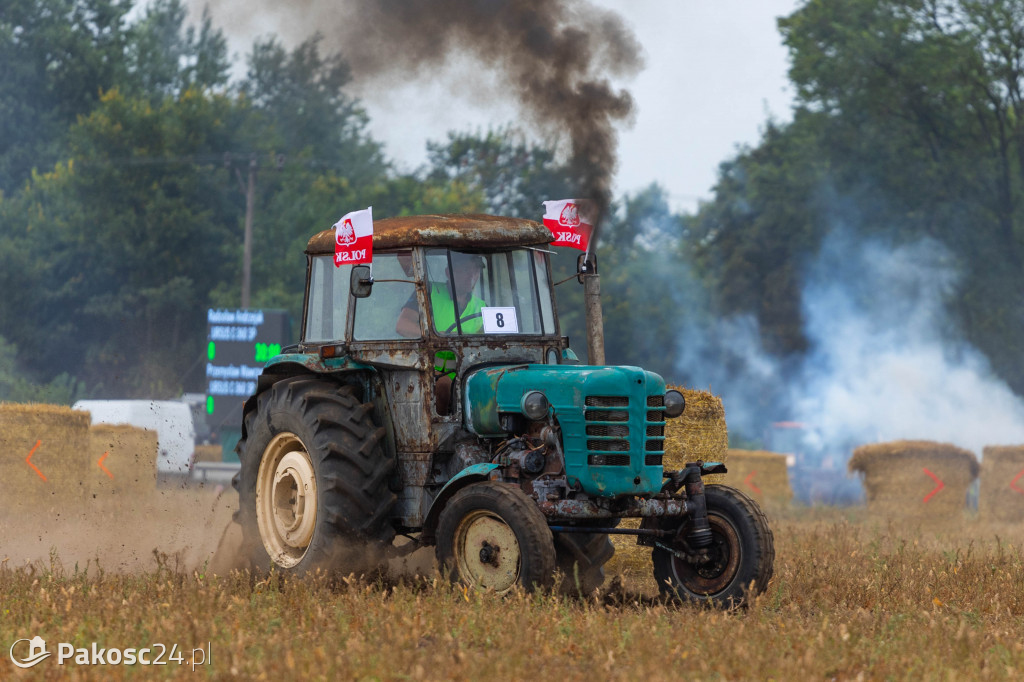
point(699, 434)
point(760, 474)
point(130, 458)
point(1001, 494)
point(208, 453)
point(898, 477)
point(59, 437)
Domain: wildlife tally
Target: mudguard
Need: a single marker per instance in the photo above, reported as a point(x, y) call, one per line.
point(471, 474)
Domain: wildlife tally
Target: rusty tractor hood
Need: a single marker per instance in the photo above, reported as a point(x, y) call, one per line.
point(612, 419)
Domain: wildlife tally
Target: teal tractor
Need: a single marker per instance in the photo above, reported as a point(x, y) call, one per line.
point(437, 400)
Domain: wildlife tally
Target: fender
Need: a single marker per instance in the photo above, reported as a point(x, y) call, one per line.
point(471, 474)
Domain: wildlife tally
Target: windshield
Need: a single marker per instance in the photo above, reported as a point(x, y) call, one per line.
point(494, 293)
point(497, 293)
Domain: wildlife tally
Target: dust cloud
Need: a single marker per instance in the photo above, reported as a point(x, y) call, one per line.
point(179, 528)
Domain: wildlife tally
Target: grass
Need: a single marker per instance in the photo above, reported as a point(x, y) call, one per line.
point(852, 598)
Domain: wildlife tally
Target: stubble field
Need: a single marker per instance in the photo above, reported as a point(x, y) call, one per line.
point(853, 597)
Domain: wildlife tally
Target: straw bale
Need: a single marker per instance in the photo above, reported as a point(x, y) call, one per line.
point(895, 479)
point(131, 459)
point(1000, 497)
point(208, 453)
point(699, 434)
point(760, 474)
point(62, 454)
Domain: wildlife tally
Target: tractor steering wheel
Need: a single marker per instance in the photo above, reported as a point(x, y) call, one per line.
point(467, 318)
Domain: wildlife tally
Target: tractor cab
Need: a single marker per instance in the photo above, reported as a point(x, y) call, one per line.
point(445, 293)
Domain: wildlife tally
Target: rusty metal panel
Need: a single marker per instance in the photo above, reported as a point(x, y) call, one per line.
point(595, 509)
point(472, 231)
point(411, 411)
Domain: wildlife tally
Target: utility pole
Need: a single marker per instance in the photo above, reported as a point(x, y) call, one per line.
point(249, 189)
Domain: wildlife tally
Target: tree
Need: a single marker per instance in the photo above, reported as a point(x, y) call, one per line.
point(514, 175)
point(164, 57)
point(923, 125)
point(58, 55)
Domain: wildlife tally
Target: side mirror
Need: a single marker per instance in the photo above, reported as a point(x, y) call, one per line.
point(569, 357)
point(360, 282)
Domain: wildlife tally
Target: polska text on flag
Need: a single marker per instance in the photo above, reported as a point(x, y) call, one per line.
point(568, 225)
point(353, 238)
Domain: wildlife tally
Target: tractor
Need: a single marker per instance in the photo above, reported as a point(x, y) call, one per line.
point(433, 397)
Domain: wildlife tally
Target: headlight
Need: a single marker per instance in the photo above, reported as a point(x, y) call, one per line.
point(675, 403)
point(535, 405)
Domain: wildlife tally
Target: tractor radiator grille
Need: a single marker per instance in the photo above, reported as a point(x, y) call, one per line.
point(613, 430)
point(606, 401)
point(606, 416)
point(612, 437)
point(608, 460)
point(655, 445)
point(608, 445)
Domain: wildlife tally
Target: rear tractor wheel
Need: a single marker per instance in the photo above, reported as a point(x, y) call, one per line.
point(313, 488)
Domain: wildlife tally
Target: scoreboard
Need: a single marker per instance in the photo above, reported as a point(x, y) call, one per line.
point(238, 344)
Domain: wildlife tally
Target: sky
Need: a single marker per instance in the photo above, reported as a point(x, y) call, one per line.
point(714, 73)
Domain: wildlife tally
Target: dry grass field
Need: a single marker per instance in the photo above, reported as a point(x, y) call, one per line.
point(853, 597)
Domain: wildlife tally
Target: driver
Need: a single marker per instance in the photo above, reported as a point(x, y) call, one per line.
point(467, 273)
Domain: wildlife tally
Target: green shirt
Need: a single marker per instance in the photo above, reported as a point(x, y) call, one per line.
point(444, 312)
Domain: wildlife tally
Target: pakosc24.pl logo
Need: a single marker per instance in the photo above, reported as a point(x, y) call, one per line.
point(154, 654)
point(36, 652)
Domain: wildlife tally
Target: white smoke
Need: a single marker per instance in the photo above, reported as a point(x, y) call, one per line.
point(885, 362)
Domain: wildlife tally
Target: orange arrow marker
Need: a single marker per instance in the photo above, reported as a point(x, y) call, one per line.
point(1013, 483)
point(29, 458)
point(939, 487)
point(750, 483)
point(100, 465)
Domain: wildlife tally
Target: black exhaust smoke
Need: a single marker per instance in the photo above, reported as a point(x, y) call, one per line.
point(554, 57)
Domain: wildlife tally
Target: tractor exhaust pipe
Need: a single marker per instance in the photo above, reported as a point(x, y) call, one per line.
point(586, 268)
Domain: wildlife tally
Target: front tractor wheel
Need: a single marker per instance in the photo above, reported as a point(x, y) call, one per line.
point(741, 556)
point(313, 489)
point(491, 536)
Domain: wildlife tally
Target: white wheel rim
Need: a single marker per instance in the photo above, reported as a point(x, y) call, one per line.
point(286, 499)
point(487, 553)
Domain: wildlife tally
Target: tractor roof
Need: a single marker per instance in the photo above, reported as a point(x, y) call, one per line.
point(459, 231)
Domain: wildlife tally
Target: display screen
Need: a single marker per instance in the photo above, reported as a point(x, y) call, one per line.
point(238, 344)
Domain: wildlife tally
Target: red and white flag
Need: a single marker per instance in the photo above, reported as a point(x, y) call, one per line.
point(353, 238)
point(567, 224)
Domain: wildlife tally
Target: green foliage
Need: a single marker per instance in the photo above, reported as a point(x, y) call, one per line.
point(515, 176)
point(57, 56)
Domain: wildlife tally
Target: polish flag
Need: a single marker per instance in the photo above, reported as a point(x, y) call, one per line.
point(567, 224)
point(353, 238)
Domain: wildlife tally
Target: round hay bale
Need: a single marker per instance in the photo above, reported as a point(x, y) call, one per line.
point(916, 478)
point(1001, 496)
point(57, 438)
point(128, 453)
point(760, 474)
point(699, 434)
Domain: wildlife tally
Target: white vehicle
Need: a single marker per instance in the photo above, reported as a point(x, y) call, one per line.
point(171, 419)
